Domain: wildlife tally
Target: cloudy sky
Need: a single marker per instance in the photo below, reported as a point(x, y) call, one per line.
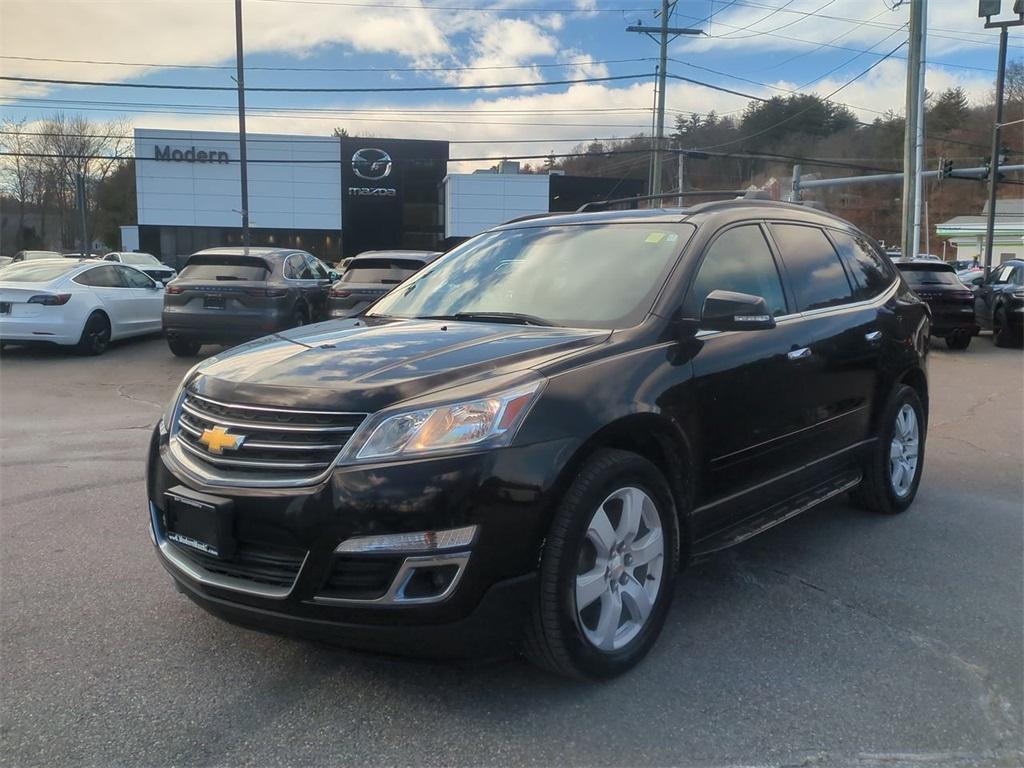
point(761, 47)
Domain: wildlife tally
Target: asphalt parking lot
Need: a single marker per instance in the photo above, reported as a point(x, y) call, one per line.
point(839, 638)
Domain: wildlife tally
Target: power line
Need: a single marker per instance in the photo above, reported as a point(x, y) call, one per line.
point(221, 67)
point(604, 153)
point(846, 47)
point(734, 36)
point(375, 89)
point(981, 38)
point(807, 109)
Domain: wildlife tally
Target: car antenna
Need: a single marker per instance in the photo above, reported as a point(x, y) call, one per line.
point(293, 341)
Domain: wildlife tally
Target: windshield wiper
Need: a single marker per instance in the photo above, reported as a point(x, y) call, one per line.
point(514, 318)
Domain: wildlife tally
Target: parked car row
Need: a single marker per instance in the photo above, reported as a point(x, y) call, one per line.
point(961, 308)
point(222, 295)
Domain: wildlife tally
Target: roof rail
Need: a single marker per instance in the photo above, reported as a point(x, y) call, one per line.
point(597, 204)
point(530, 216)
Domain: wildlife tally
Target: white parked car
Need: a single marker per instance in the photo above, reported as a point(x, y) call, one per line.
point(147, 262)
point(85, 304)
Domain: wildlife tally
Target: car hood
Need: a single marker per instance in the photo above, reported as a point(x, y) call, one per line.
point(365, 365)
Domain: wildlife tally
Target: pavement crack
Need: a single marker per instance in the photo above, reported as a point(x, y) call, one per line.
point(121, 393)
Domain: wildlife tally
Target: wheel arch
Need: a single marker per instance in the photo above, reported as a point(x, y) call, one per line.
point(655, 438)
point(99, 310)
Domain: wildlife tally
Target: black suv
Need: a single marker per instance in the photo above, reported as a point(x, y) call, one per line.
point(999, 302)
point(228, 295)
point(951, 302)
point(522, 444)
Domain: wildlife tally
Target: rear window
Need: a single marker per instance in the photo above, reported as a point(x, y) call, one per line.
point(139, 258)
point(918, 276)
point(36, 271)
point(37, 255)
point(387, 271)
point(225, 268)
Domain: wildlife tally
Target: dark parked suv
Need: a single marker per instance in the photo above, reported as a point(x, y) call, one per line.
point(522, 444)
point(951, 302)
point(228, 295)
point(999, 302)
point(370, 275)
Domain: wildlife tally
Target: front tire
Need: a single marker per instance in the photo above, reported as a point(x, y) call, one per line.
point(608, 570)
point(95, 336)
point(893, 471)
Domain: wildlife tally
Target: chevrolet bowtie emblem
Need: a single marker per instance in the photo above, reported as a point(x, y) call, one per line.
point(218, 438)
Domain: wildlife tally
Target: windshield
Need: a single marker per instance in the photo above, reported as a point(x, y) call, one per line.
point(36, 271)
point(139, 258)
point(389, 271)
point(225, 268)
point(930, 277)
point(584, 276)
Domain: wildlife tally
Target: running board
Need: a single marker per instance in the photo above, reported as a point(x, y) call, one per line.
point(780, 513)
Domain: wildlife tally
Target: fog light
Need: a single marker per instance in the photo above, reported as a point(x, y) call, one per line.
point(420, 541)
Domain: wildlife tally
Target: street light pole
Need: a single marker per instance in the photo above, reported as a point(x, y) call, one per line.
point(240, 80)
point(988, 9)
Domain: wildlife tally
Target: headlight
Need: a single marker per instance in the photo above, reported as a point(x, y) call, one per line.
point(1018, 294)
point(168, 415)
point(487, 422)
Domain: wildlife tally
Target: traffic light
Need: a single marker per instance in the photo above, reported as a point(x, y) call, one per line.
point(945, 168)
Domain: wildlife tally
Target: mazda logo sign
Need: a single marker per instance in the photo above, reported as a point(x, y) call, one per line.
point(371, 164)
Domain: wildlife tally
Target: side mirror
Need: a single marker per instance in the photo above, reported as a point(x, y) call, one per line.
point(333, 275)
point(731, 311)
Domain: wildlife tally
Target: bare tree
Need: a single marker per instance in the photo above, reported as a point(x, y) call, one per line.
point(76, 145)
point(17, 177)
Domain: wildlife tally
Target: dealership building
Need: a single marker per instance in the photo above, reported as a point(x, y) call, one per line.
point(333, 196)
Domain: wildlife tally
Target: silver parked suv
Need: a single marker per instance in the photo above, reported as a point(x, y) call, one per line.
point(229, 295)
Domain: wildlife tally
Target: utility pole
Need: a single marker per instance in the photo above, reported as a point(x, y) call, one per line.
point(681, 176)
point(913, 135)
point(83, 214)
point(665, 35)
point(988, 10)
point(240, 80)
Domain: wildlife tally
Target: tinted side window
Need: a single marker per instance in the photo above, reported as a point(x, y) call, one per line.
point(296, 268)
point(738, 260)
point(813, 266)
point(134, 279)
point(101, 277)
point(867, 268)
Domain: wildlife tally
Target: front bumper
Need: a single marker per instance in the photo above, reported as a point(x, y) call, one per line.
point(507, 494)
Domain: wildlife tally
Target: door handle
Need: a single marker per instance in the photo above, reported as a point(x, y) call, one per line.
point(799, 354)
point(873, 336)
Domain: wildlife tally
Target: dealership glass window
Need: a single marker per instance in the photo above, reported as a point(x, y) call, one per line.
point(818, 277)
point(738, 260)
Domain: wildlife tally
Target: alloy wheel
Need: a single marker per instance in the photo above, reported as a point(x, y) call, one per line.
point(619, 571)
point(904, 450)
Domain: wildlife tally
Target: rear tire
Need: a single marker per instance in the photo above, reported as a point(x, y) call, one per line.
point(607, 571)
point(95, 336)
point(183, 347)
point(893, 471)
point(958, 340)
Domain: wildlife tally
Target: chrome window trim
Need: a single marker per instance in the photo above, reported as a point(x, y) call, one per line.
point(394, 594)
point(197, 573)
point(875, 301)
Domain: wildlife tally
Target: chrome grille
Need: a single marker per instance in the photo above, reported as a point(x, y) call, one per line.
point(279, 445)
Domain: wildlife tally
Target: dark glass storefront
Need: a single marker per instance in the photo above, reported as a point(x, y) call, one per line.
point(174, 244)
